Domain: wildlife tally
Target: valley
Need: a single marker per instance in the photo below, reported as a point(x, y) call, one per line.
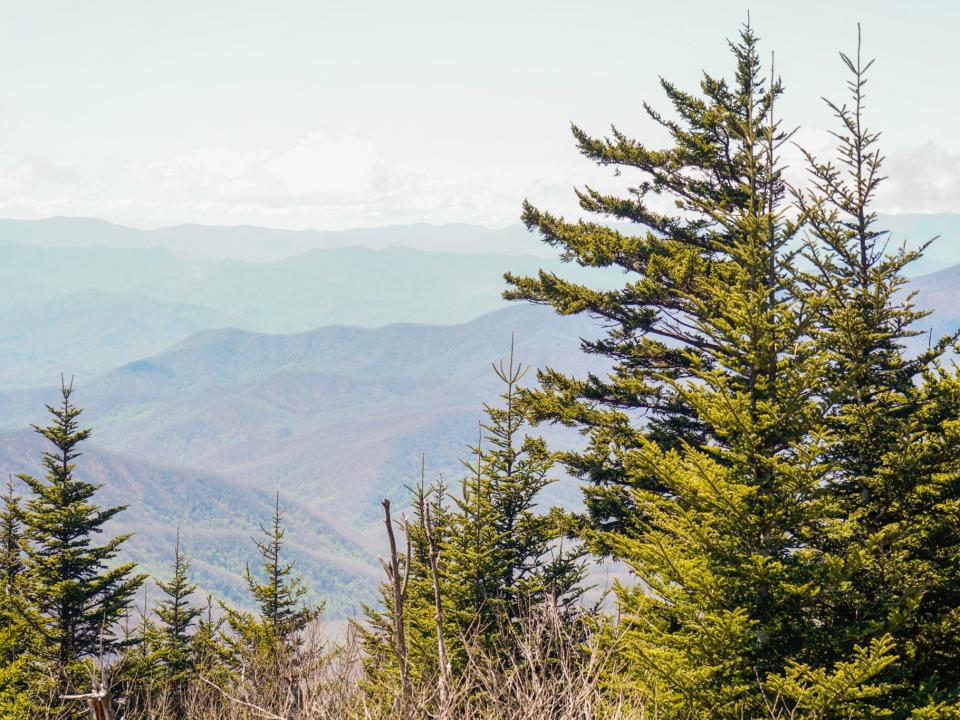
point(229, 380)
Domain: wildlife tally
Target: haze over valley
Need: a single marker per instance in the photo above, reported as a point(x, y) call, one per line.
point(218, 365)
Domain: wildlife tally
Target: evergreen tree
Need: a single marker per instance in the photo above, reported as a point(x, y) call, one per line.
point(496, 556)
point(420, 627)
point(11, 550)
point(73, 591)
point(281, 614)
point(141, 669)
point(18, 681)
point(894, 461)
point(207, 641)
point(705, 443)
point(170, 646)
point(503, 556)
point(473, 562)
point(16, 674)
point(176, 617)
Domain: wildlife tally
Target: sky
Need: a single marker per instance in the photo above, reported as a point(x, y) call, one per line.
point(328, 114)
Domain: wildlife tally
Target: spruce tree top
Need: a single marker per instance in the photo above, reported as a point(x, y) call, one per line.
point(279, 597)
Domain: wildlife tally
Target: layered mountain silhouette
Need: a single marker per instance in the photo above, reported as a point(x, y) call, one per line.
point(212, 382)
point(335, 419)
point(90, 332)
point(261, 244)
point(62, 305)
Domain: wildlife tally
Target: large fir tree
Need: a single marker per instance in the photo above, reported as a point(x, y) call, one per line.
point(894, 459)
point(73, 589)
point(705, 443)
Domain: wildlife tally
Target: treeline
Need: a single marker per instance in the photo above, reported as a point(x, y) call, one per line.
point(474, 564)
point(781, 478)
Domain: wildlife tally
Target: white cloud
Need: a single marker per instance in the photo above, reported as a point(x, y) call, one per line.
point(923, 179)
point(327, 180)
point(320, 170)
point(325, 164)
point(322, 180)
point(206, 169)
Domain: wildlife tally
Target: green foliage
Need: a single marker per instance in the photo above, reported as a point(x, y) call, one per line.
point(848, 690)
point(142, 669)
point(11, 539)
point(502, 556)
point(892, 487)
point(211, 659)
point(281, 614)
point(156, 668)
point(378, 633)
point(497, 556)
point(72, 591)
point(15, 701)
point(18, 676)
point(176, 616)
point(760, 418)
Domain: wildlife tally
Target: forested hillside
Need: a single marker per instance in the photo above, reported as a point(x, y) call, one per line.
point(236, 412)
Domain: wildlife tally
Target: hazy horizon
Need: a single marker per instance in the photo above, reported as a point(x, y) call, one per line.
point(433, 224)
point(341, 115)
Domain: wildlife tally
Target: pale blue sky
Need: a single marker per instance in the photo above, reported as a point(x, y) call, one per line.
point(339, 114)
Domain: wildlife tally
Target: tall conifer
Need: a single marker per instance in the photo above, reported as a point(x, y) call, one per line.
point(705, 443)
point(894, 482)
point(72, 588)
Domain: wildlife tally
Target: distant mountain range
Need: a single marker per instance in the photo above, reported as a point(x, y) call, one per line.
point(82, 296)
point(304, 411)
point(212, 382)
point(253, 243)
point(86, 309)
point(260, 244)
point(334, 419)
point(90, 332)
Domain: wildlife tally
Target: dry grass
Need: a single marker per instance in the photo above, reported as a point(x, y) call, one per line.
point(552, 676)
